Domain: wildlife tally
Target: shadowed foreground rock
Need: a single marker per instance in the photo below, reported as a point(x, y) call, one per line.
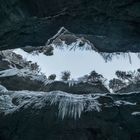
point(38, 116)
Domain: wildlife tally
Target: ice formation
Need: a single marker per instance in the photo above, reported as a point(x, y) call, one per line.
point(69, 105)
point(80, 58)
point(135, 113)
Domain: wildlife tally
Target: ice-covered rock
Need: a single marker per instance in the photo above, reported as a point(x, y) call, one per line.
point(69, 105)
point(135, 113)
point(3, 89)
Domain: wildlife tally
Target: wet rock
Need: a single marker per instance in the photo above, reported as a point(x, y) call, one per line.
point(20, 83)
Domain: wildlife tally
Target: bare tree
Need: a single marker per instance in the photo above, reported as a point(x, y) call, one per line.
point(138, 70)
point(65, 75)
point(35, 67)
point(124, 75)
point(116, 84)
point(52, 77)
point(48, 50)
point(94, 77)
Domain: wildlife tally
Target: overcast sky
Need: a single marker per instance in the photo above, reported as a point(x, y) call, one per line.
point(80, 63)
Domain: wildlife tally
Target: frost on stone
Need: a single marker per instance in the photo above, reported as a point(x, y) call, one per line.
point(33, 75)
point(69, 105)
point(73, 105)
point(121, 102)
point(3, 89)
point(63, 38)
point(6, 104)
point(135, 113)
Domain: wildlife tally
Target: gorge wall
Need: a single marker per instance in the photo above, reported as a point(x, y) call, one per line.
point(110, 25)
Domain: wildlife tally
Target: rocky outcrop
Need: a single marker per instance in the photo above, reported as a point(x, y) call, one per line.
point(25, 83)
point(51, 116)
point(65, 110)
point(133, 87)
point(109, 25)
point(19, 74)
point(20, 83)
point(78, 88)
point(57, 115)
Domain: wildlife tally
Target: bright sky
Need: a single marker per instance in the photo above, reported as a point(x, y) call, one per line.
point(80, 62)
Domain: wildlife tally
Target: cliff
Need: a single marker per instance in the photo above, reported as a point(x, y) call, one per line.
point(110, 25)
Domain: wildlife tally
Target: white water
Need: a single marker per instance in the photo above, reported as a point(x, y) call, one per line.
point(81, 62)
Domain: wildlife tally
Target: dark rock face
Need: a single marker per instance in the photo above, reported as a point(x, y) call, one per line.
point(111, 25)
point(134, 87)
point(26, 81)
point(113, 122)
point(80, 88)
point(17, 83)
point(20, 83)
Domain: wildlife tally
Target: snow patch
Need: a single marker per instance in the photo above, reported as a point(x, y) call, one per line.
point(135, 113)
point(33, 75)
point(121, 102)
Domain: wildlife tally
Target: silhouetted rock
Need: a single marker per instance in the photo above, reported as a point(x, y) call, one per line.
point(109, 25)
point(79, 88)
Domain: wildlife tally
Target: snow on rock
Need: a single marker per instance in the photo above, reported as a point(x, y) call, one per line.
point(6, 104)
point(33, 75)
point(135, 113)
point(69, 105)
point(9, 72)
point(65, 38)
point(60, 32)
point(3, 89)
point(120, 102)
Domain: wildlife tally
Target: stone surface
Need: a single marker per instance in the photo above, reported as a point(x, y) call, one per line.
point(114, 121)
point(134, 87)
point(80, 88)
point(110, 25)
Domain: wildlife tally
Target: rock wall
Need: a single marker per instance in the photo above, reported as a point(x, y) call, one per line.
point(115, 23)
point(118, 118)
